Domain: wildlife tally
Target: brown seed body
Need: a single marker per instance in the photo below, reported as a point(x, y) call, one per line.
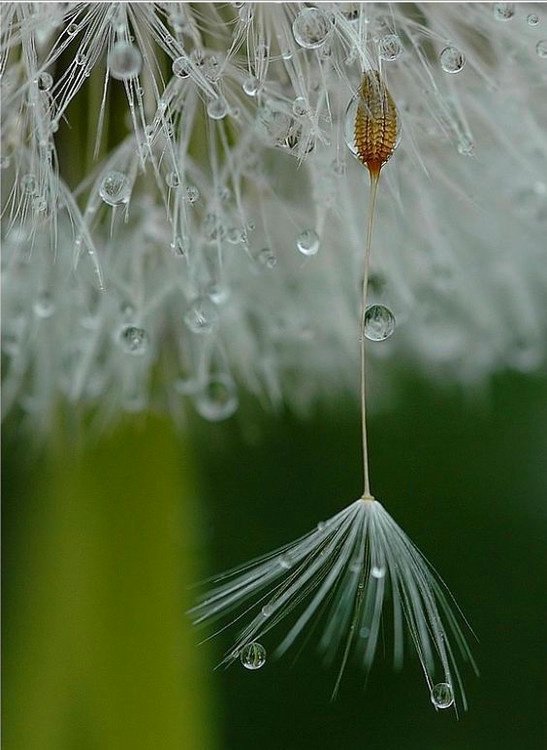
point(376, 123)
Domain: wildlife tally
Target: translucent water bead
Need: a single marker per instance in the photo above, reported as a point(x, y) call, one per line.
point(114, 188)
point(133, 340)
point(308, 242)
point(124, 61)
point(253, 656)
point(181, 67)
point(311, 27)
point(201, 316)
point(44, 81)
point(452, 60)
point(532, 19)
point(218, 399)
point(442, 695)
point(503, 11)
point(379, 323)
point(541, 49)
point(389, 47)
point(217, 108)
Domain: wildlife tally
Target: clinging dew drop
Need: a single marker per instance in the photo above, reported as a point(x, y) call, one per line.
point(311, 28)
point(452, 60)
point(124, 61)
point(442, 695)
point(253, 656)
point(379, 323)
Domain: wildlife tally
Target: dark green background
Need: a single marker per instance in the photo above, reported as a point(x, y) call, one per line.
point(466, 477)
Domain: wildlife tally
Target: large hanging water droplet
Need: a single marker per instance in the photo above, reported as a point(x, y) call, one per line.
point(377, 571)
point(379, 323)
point(133, 340)
point(114, 188)
point(181, 67)
point(253, 656)
point(218, 398)
point(541, 48)
point(44, 81)
point(389, 47)
point(532, 19)
point(452, 60)
point(201, 315)
point(124, 61)
point(311, 28)
point(503, 11)
point(308, 242)
point(217, 108)
point(251, 85)
point(300, 107)
point(442, 695)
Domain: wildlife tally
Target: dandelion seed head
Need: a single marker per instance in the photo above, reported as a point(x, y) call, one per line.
point(238, 114)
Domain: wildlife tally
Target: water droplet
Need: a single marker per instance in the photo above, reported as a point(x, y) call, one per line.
point(181, 67)
point(541, 48)
point(267, 610)
point(72, 29)
point(321, 526)
point(442, 695)
point(308, 242)
point(114, 188)
point(44, 81)
point(201, 315)
point(504, 11)
point(172, 179)
point(28, 183)
point(267, 258)
point(133, 340)
point(80, 59)
point(311, 28)
point(377, 571)
point(286, 54)
point(43, 307)
point(217, 400)
point(389, 47)
point(253, 656)
point(355, 566)
point(466, 147)
point(285, 561)
point(452, 60)
point(124, 61)
point(532, 19)
point(217, 108)
point(192, 194)
point(251, 85)
point(379, 323)
point(300, 106)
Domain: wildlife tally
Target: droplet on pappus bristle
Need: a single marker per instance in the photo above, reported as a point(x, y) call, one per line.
point(375, 123)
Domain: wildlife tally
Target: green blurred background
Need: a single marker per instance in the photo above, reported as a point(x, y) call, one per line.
point(102, 543)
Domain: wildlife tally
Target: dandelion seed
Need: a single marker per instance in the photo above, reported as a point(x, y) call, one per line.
point(358, 565)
